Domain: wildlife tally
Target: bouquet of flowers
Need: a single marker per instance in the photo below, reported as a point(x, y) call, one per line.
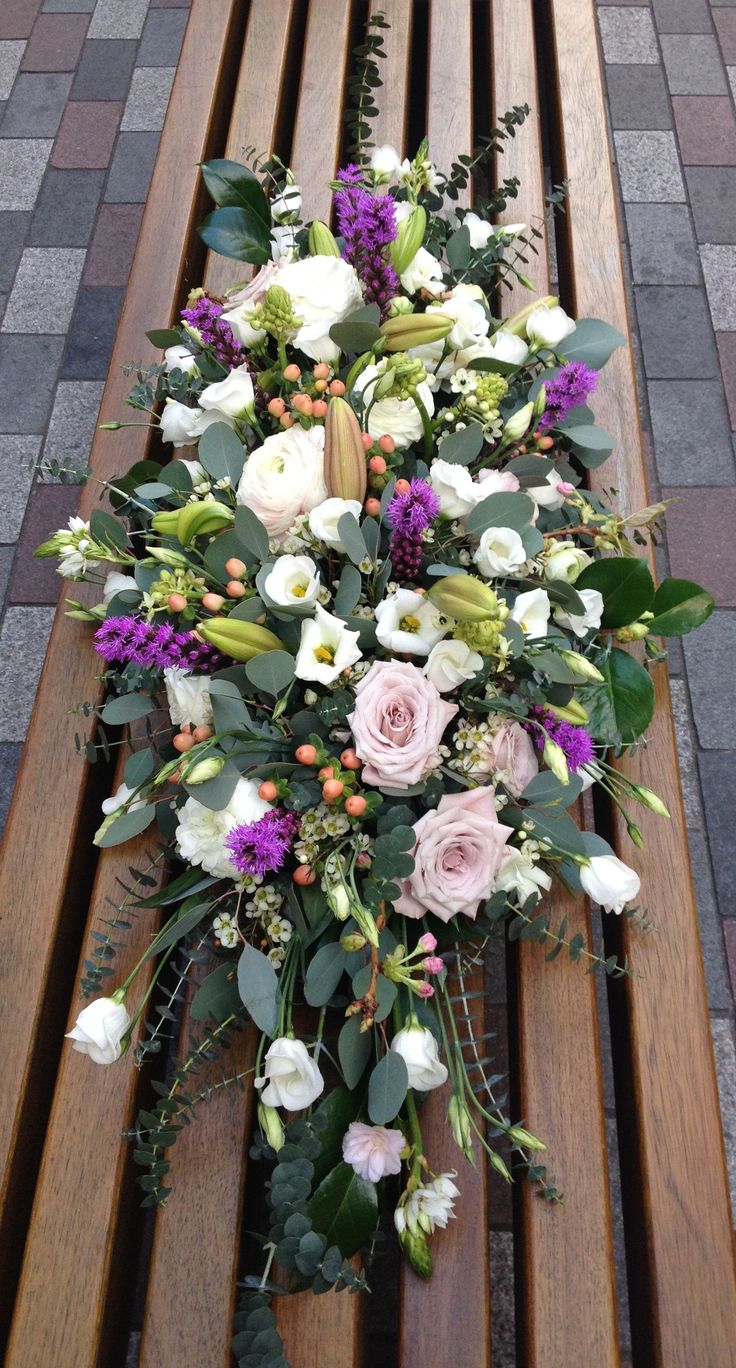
point(372, 631)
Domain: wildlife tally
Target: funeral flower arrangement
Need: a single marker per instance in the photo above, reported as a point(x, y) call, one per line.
point(372, 633)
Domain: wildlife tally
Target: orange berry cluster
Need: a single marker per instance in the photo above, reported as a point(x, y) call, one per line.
point(307, 400)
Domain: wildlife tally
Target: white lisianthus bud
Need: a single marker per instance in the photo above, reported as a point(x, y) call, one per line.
point(565, 561)
point(188, 697)
point(518, 424)
point(609, 882)
point(501, 551)
point(180, 358)
point(419, 1051)
point(385, 164)
point(480, 231)
point(272, 1126)
point(506, 346)
point(233, 396)
point(176, 422)
point(581, 623)
point(290, 1078)
point(547, 327)
point(100, 1029)
point(117, 584)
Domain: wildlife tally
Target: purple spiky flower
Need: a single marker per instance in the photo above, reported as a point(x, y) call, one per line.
point(368, 224)
point(409, 514)
point(133, 641)
point(572, 385)
point(575, 742)
point(262, 847)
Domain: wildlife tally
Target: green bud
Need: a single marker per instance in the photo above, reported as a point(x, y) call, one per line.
point(518, 424)
point(321, 241)
point(415, 330)
point(554, 757)
point(109, 427)
point(202, 770)
point(651, 800)
point(581, 666)
point(465, 598)
point(497, 1163)
point(416, 1248)
point(519, 1136)
point(540, 403)
point(573, 712)
point(409, 238)
point(272, 1126)
point(635, 834)
point(352, 943)
point(201, 519)
point(239, 639)
point(167, 556)
point(459, 1119)
point(399, 305)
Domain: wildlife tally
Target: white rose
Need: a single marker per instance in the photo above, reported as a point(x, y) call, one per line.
point(287, 203)
point(546, 327)
point(409, 624)
point(326, 648)
point(418, 1049)
point(117, 584)
point(180, 358)
point(291, 1078)
point(480, 231)
point(455, 488)
point(285, 477)
point(506, 346)
point(565, 562)
point(609, 882)
point(385, 163)
point(397, 418)
point(239, 319)
point(518, 874)
point(189, 698)
point(233, 396)
point(580, 623)
point(324, 518)
point(552, 493)
point(424, 272)
point(531, 611)
point(293, 579)
point(450, 664)
point(501, 551)
point(323, 290)
point(176, 422)
point(99, 1030)
point(201, 832)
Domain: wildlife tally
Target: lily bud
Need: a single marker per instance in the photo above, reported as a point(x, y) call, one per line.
point(167, 556)
point(518, 424)
point(517, 323)
point(272, 1126)
point(345, 469)
point(238, 639)
point(571, 712)
point(199, 519)
point(581, 666)
point(321, 241)
point(465, 598)
point(202, 770)
point(165, 523)
point(415, 330)
point(554, 757)
point(409, 239)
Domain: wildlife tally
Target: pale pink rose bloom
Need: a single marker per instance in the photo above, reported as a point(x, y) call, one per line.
point(457, 855)
point(511, 755)
point(373, 1151)
point(497, 482)
point(397, 724)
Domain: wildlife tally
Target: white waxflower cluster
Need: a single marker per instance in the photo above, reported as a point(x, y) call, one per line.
point(318, 824)
point(265, 902)
point(226, 930)
point(428, 1207)
point(469, 742)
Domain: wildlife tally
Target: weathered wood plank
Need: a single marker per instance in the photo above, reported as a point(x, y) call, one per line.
point(450, 83)
point(315, 150)
point(393, 97)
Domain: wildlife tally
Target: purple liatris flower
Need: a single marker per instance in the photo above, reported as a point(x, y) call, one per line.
point(409, 514)
point(262, 846)
point(204, 316)
point(133, 641)
point(575, 742)
point(572, 385)
point(368, 224)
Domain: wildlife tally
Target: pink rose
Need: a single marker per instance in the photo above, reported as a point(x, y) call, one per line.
point(397, 724)
point(373, 1151)
point(511, 755)
point(458, 852)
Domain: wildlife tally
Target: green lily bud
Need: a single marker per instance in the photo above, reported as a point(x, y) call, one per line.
point(409, 238)
point(540, 403)
point(272, 1126)
point(415, 330)
point(517, 323)
point(344, 459)
point(649, 799)
point(465, 598)
point(416, 1248)
point(571, 712)
point(518, 424)
point(239, 639)
point(167, 556)
point(321, 241)
point(199, 519)
point(554, 757)
point(520, 1136)
point(202, 770)
point(165, 523)
point(581, 666)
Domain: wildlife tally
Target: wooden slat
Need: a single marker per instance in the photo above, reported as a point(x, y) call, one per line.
point(317, 138)
point(393, 97)
point(682, 1288)
point(450, 83)
point(47, 863)
point(321, 1332)
point(567, 1252)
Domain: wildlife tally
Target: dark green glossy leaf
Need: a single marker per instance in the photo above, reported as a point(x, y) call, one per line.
point(626, 585)
point(621, 708)
point(229, 183)
point(108, 530)
point(239, 233)
point(679, 607)
point(333, 1116)
point(344, 1209)
point(185, 920)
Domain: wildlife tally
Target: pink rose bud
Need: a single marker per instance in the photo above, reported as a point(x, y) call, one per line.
point(427, 942)
point(425, 990)
point(433, 964)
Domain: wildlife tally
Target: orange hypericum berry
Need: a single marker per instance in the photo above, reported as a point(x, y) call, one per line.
point(212, 602)
point(331, 790)
point(326, 772)
point(349, 760)
point(386, 444)
point(355, 805)
point(234, 589)
point(202, 732)
point(319, 408)
point(321, 370)
point(177, 603)
point(372, 507)
point(320, 386)
point(306, 754)
point(286, 420)
point(402, 487)
point(303, 876)
point(377, 465)
point(367, 440)
point(546, 443)
point(182, 742)
point(337, 388)
point(276, 407)
point(235, 567)
point(268, 791)
point(292, 372)
point(302, 403)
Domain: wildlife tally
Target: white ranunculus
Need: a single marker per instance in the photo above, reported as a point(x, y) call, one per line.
point(189, 698)
point(547, 327)
point(424, 272)
point(418, 1049)
point(285, 477)
point(609, 882)
point(117, 584)
point(385, 163)
point(480, 231)
point(239, 318)
point(409, 624)
point(180, 358)
point(324, 518)
point(551, 494)
point(176, 422)
point(565, 562)
point(290, 1078)
point(119, 798)
point(531, 611)
point(455, 488)
point(99, 1030)
point(500, 552)
point(326, 648)
point(450, 663)
point(506, 346)
point(201, 831)
point(292, 579)
point(518, 874)
point(323, 290)
point(286, 204)
point(581, 623)
point(233, 396)
point(397, 418)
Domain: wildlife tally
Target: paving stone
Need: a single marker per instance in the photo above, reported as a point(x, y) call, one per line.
point(73, 420)
point(184, 4)
point(22, 164)
point(628, 35)
point(36, 105)
point(6, 565)
point(17, 17)
point(731, 73)
point(693, 64)
point(17, 457)
point(686, 753)
point(28, 367)
point(706, 129)
point(710, 925)
point(132, 166)
point(729, 937)
point(676, 333)
point(66, 208)
point(712, 194)
point(91, 334)
point(112, 247)
point(105, 69)
point(725, 22)
point(503, 1305)
point(68, 6)
point(13, 230)
point(726, 343)
point(710, 657)
point(87, 134)
point(723, 1042)
point(55, 43)
point(649, 167)
point(36, 581)
point(682, 16)
point(638, 97)
point(719, 269)
point(10, 753)
point(145, 108)
point(700, 539)
point(42, 298)
point(23, 642)
point(162, 37)
point(692, 435)
point(662, 245)
point(113, 19)
point(11, 53)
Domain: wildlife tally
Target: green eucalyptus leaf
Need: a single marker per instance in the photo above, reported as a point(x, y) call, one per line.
point(271, 672)
point(324, 973)
point(590, 444)
point(221, 453)
point(127, 708)
point(138, 768)
point(387, 1088)
point(354, 1049)
point(258, 986)
point(126, 826)
point(460, 448)
point(591, 341)
point(217, 998)
point(348, 530)
point(501, 510)
point(164, 337)
point(251, 532)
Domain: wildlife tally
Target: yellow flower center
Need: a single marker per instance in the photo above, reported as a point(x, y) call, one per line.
point(325, 655)
point(409, 623)
point(300, 590)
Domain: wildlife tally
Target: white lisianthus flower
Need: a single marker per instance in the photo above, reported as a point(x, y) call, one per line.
point(180, 358)
point(239, 319)
point(531, 611)
point(506, 346)
point(428, 1208)
point(287, 203)
point(551, 494)
point(201, 832)
point(117, 584)
point(565, 562)
point(373, 1152)
point(424, 272)
point(518, 874)
point(290, 1078)
point(176, 422)
point(509, 230)
point(496, 482)
point(323, 290)
point(233, 396)
point(419, 1051)
point(518, 423)
point(580, 623)
point(547, 327)
point(324, 518)
point(189, 697)
point(119, 798)
point(285, 477)
point(450, 663)
point(455, 488)
point(464, 304)
point(99, 1030)
point(326, 648)
point(293, 579)
point(204, 420)
point(609, 882)
point(385, 163)
point(480, 231)
point(397, 418)
point(409, 624)
point(500, 552)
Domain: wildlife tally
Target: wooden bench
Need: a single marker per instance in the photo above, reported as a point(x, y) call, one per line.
point(78, 1268)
